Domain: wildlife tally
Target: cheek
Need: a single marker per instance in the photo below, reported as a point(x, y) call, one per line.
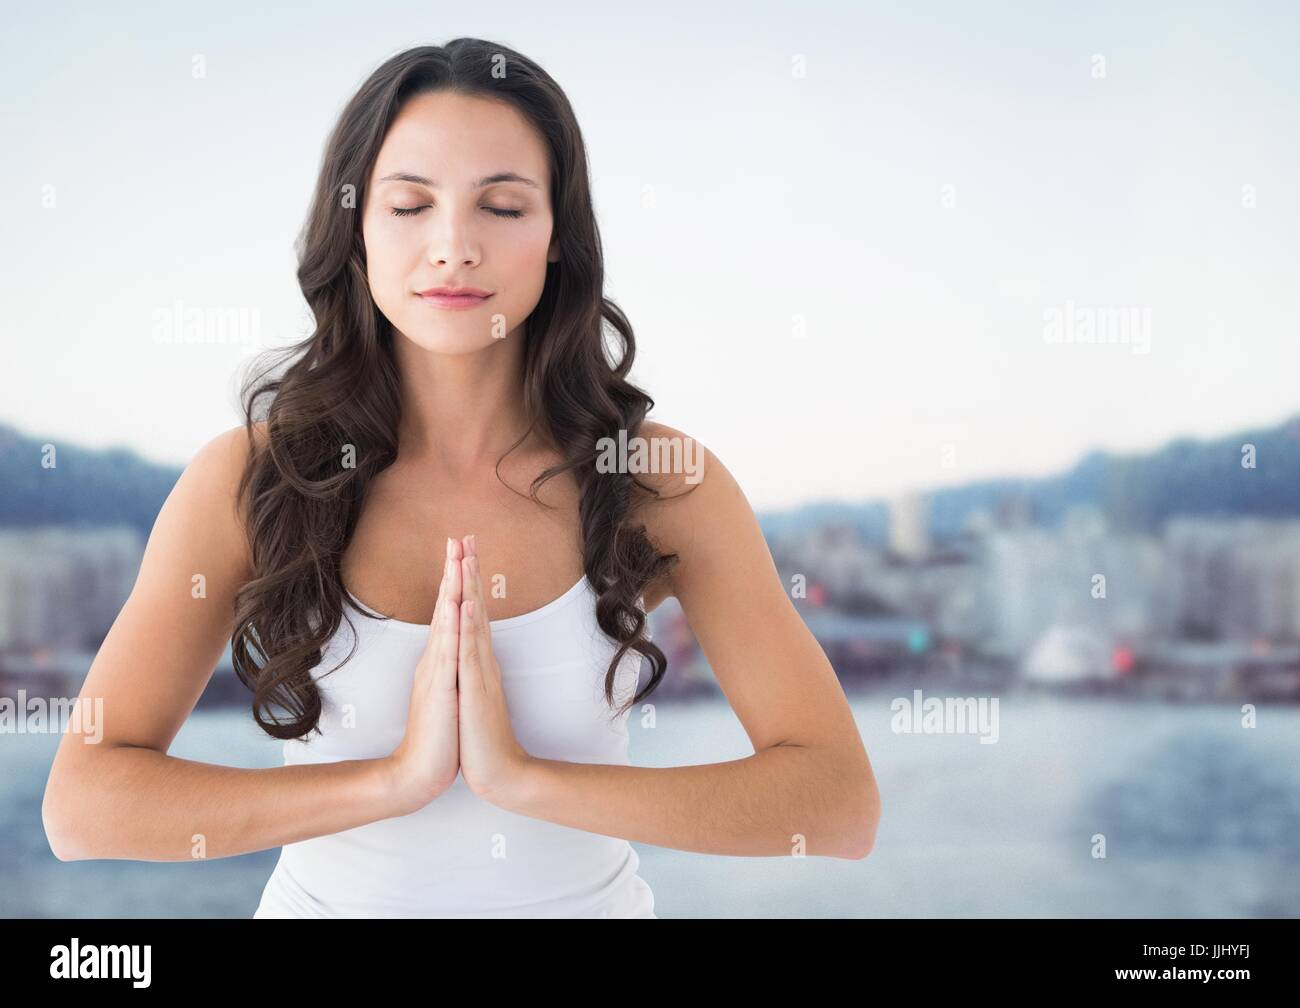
point(387, 256)
point(526, 253)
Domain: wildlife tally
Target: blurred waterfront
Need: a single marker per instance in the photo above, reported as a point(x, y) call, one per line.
point(1201, 818)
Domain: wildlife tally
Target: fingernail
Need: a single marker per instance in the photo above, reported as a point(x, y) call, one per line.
point(449, 546)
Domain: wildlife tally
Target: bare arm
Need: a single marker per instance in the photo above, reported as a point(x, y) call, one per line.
point(809, 786)
point(123, 796)
point(782, 800)
point(133, 802)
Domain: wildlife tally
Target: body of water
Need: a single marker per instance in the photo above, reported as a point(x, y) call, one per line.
point(1200, 815)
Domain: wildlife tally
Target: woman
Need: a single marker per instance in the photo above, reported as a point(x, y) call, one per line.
point(450, 660)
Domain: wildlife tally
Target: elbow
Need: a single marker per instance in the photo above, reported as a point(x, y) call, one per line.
point(58, 832)
point(861, 835)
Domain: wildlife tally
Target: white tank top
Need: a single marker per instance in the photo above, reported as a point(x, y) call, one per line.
point(461, 856)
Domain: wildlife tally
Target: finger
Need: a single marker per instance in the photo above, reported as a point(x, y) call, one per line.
point(481, 625)
point(468, 667)
point(434, 622)
point(468, 572)
point(445, 664)
point(457, 582)
point(449, 566)
point(489, 671)
point(444, 627)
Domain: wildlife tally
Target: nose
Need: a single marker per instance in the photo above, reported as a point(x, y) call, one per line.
point(442, 260)
point(453, 241)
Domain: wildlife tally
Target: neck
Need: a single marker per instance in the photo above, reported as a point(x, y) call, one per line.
point(461, 412)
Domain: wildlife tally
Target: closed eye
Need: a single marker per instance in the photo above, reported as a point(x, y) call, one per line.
point(407, 211)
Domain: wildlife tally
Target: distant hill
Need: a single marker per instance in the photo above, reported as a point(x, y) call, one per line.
point(1186, 477)
point(1135, 492)
point(86, 486)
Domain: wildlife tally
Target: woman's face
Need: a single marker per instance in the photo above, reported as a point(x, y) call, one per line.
point(463, 225)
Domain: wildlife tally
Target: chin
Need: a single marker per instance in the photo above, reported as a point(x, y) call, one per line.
point(450, 339)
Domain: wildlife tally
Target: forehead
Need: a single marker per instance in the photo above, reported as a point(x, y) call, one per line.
point(455, 138)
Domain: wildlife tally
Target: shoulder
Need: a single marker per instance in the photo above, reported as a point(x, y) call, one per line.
point(209, 486)
point(700, 508)
point(219, 464)
point(229, 451)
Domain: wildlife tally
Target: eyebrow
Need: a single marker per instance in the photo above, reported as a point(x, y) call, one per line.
point(487, 180)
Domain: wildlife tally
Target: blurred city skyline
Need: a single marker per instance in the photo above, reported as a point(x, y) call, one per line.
point(873, 220)
point(1011, 581)
point(1186, 476)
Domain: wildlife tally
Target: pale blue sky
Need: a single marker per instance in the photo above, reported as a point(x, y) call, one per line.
point(774, 196)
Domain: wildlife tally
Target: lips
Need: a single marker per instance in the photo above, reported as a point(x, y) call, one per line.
point(455, 298)
point(456, 292)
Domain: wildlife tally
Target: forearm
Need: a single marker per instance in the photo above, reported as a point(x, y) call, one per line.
point(139, 804)
point(781, 800)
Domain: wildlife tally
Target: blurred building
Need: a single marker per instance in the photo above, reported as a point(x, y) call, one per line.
point(1235, 579)
point(1082, 578)
point(909, 535)
point(62, 587)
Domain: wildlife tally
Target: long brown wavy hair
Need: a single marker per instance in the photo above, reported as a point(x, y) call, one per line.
point(341, 387)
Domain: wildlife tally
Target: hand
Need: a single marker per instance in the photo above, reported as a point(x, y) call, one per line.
point(491, 758)
point(427, 760)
